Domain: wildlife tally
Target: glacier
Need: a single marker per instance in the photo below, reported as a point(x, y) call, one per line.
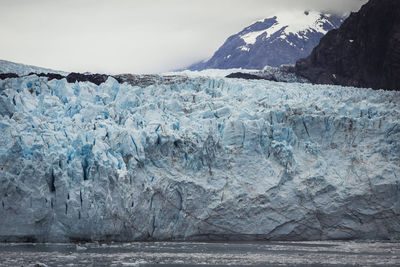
point(202, 158)
point(22, 69)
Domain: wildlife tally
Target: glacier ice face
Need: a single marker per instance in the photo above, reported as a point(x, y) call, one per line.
point(203, 158)
point(21, 69)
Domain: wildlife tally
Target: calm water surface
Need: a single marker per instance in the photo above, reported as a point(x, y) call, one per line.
point(200, 254)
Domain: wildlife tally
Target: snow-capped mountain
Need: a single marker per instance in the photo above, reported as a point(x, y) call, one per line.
point(282, 39)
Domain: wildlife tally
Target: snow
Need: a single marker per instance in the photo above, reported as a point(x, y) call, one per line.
point(301, 22)
point(290, 43)
point(20, 69)
point(251, 37)
point(291, 22)
point(199, 158)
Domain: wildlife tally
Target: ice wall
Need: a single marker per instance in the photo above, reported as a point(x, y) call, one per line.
point(203, 158)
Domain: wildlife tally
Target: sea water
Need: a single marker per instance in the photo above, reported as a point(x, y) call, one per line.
point(321, 253)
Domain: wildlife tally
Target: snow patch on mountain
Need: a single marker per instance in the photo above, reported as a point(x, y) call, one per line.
point(292, 23)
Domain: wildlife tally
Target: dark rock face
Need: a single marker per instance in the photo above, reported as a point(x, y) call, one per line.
point(94, 78)
point(149, 79)
point(8, 75)
point(363, 52)
point(285, 73)
point(246, 76)
point(273, 43)
point(71, 78)
point(50, 76)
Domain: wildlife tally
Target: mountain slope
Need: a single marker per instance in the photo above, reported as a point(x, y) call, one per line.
point(282, 39)
point(363, 52)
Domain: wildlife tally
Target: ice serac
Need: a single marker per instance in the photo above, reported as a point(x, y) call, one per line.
point(201, 158)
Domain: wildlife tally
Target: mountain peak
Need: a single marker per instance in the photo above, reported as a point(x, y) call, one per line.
point(280, 39)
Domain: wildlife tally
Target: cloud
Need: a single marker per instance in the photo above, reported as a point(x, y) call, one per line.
point(137, 36)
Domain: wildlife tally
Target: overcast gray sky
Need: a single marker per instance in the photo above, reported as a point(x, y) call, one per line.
point(136, 36)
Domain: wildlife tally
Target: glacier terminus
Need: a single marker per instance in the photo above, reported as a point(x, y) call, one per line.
point(199, 158)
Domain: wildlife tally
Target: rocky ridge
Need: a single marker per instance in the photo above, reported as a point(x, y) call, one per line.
point(363, 52)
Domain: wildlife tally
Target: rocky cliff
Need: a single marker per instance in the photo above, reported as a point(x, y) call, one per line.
point(363, 52)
